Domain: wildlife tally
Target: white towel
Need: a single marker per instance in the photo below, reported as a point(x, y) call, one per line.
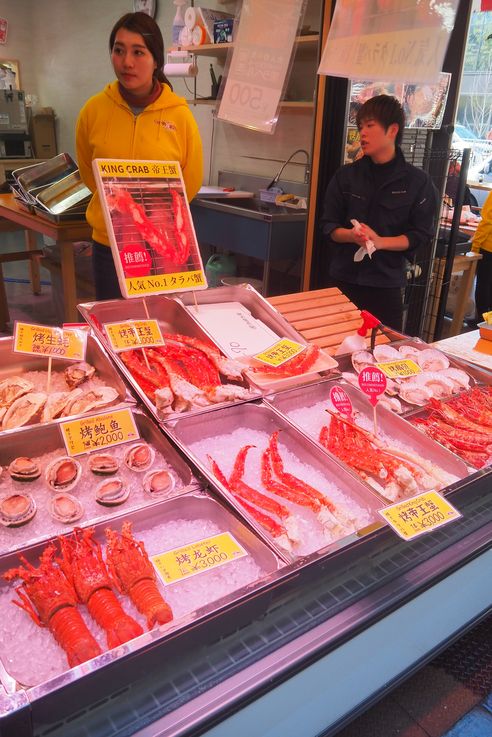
point(366, 250)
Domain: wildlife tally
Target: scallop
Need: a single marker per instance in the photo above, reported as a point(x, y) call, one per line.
point(103, 464)
point(91, 400)
point(112, 492)
point(415, 393)
point(55, 404)
point(384, 353)
point(63, 473)
point(159, 482)
point(391, 403)
point(24, 469)
point(13, 388)
point(139, 457)
point(17, 509)
point(440, 385)
point(408, 351)
point(460, 378)
point(23, 410)
point(77, 373)
point(431, 359)
point(361, 359)
point(65, 508)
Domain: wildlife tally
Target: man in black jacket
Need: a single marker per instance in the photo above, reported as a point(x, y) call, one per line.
point(395, 204)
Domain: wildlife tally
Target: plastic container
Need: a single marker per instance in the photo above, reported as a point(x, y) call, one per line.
point(178, 22)
point(219, 266)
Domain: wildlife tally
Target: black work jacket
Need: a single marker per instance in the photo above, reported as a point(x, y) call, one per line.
point(404, 205)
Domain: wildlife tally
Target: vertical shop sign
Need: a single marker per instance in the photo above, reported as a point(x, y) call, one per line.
point(260, 64)
point(382, 40)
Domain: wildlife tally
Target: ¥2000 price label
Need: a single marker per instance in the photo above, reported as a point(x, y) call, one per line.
point(41, 340)
point(280, 352)
point(422, 513)
point(399, 369)
point(99, 431)
point(197, 557)
point(134, 334)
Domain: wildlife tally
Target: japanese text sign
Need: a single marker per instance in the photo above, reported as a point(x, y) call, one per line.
point(258, 69)
point(422, 513)
point(280, 352)
point(41, 340)
point(134, 334)
point(388, 40)
point(197, 557)
point(399, 369)
point(341, 400)
point(99, 431)
point(372, 382)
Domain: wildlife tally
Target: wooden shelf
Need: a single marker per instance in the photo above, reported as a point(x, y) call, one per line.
point(217, 49)
point(295, 104)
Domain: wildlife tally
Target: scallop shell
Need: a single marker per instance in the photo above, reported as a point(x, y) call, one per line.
point(77, 373)
point(16, 510)
point(361, 359)
point(440, 385)
point(24, 469)
point(63, 473)
point(103, 464)
point(391, 403)
point(139, 457)
point(112, 492)
point(460, 378)
point(23, 410)
point(384, 353)
point(158, 482)
point(90, 400)
point(65, 508)
point(431, 359)
point(54, 406)
point(415, 393)
point(12, 388)
point(408, 351)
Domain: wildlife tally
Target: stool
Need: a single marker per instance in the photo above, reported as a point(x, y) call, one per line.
point(33, 256)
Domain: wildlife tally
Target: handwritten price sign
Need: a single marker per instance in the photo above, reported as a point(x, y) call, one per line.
point(420, 514)
point(280, 352)
point(40, 340)
point(197, 557)
point(341, 401)
point(134, 334)
point(372, 382)
point(99, 431)
point(400, 369)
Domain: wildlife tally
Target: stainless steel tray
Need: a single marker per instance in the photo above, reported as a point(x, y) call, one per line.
point(44, 173)
point(297, 405)
point(172, 318)
point(64, 195)
point(18, 364)
point(263, 311)
point(44, 444)
point(227, 430)
point(72, 215)
point(163, 526)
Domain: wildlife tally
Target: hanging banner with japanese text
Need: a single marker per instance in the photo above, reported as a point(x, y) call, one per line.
point(259, 67)
point(381, 40)
point(149, 226)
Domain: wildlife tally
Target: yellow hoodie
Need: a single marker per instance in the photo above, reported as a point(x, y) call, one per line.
point(164, 131)
point(483, 235)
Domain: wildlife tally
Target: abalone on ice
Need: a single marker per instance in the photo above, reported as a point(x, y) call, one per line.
point(139, 457)
point(158, 482)
point(63, 473)
point(24, 469)
point(65, 508)
point(16, 510)
point(111, 492)
point(103, 464)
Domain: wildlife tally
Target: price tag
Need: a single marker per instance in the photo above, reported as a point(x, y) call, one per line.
point(42, 340)
point(399, 369)
point(372, 381)
point(280, 352)
point(134, 334)
point(99, 431)
point(422, 513)
point(197, 557)
point(341, 401)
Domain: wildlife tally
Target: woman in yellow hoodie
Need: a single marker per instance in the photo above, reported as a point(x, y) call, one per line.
point(482, 243)
point(137, 116)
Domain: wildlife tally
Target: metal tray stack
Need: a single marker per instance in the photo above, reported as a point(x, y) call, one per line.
point(52, 188)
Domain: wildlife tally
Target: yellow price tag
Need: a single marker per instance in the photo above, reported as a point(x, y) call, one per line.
point(134, 334)
point(42, 340)
point(422, 513)
point(399, 369)
point(280, 352)
point(99, 431)
point(487, 316)
point(197, 557)
point(139, 286)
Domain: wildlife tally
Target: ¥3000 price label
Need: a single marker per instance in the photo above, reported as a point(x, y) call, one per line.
point(280, 352)
point(197, 557)
point(422, 513)
point(134, 334)
point(99, 431)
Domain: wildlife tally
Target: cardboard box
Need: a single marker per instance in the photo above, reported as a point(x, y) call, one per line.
point(43, 137)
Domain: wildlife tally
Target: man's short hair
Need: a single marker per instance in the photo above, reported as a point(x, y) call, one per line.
point(385, 110)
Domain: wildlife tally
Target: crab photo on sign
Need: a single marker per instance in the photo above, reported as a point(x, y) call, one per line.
point(150, 228)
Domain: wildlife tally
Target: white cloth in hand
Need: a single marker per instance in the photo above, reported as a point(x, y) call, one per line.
point(368, 248)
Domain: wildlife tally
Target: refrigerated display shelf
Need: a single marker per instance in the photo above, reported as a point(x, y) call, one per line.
point(365, 582)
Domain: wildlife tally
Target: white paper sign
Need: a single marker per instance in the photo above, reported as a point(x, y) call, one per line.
point(402, 44)
point(263, 48)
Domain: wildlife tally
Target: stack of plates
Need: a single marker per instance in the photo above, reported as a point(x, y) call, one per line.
point(52, 188)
